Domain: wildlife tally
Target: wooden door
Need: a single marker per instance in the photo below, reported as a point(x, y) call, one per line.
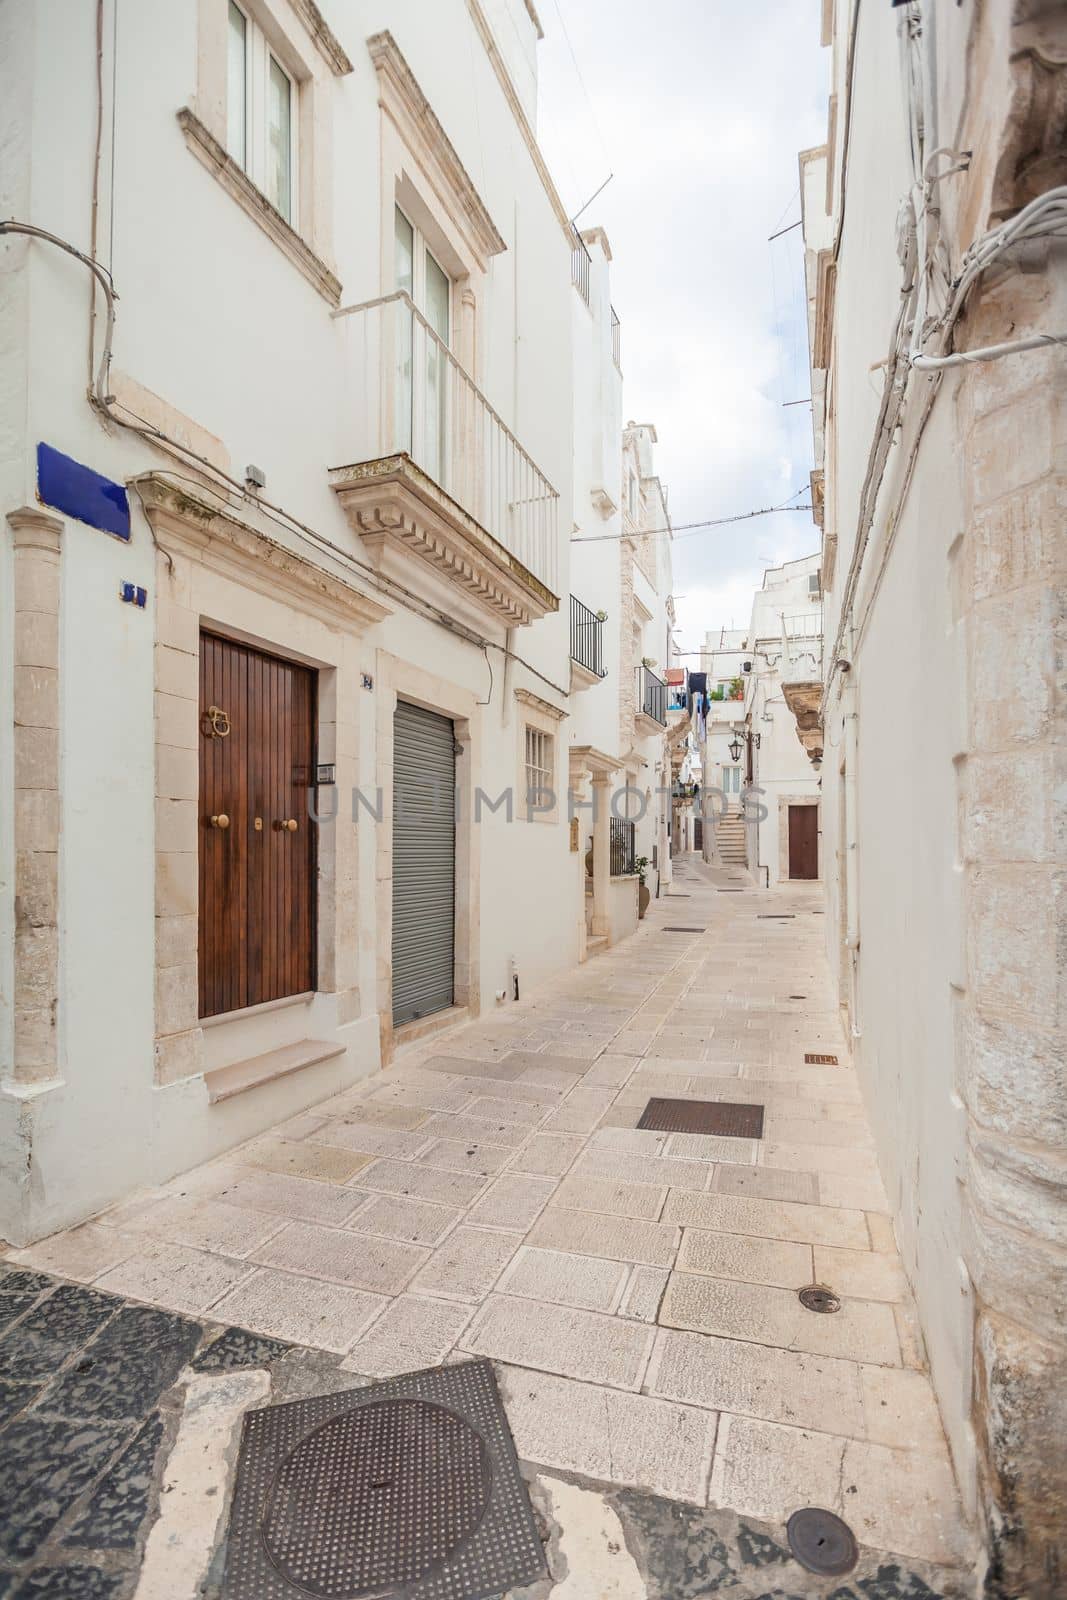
point(803, 841)
point(257, 842)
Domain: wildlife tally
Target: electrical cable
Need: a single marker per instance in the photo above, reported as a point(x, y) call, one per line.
point(686, 529)
point(104, 402)
point(920, 255)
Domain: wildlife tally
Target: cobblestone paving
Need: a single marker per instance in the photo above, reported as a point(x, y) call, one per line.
point(490, 1194)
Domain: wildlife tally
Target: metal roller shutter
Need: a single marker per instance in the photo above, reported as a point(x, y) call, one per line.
point(424, 862)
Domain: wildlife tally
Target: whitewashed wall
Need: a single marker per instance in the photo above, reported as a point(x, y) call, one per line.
point(214, 319)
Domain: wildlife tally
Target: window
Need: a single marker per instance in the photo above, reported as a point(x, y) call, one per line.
point(815, 583)
point(261, 116)
point(423, 429)
point(538, 766)
point(280, 141)
point(237, 86)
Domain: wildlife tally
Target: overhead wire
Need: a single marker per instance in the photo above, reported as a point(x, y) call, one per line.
point(688, 529)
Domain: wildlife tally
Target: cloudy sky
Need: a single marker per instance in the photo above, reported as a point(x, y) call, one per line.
point(699, 108)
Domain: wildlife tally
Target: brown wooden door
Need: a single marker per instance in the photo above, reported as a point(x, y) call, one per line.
point(257, 870)
point(803, 841)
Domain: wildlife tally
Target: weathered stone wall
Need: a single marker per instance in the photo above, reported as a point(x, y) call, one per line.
point(1013, 431)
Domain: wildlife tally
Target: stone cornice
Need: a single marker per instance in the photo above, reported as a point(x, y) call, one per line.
point(402, 99)
point(255, 204)
point(587, 758)
point(215, 536)
point(485, 33)
point(325, 40)
point(527, 697)
point(394, 506)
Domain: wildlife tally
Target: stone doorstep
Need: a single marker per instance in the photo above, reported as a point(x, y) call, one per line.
point(238, 1076)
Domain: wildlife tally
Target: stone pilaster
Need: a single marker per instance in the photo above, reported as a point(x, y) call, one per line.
point(1011, 1072)
point(601, 855)
point(36, 584)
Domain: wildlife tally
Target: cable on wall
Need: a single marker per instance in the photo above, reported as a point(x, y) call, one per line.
point(103, 402)
point(920, 340)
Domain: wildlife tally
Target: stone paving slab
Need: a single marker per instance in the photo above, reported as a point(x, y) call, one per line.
point(602, 1433)
point(561, 1339)
point(860, 1330)
point(569, 1280)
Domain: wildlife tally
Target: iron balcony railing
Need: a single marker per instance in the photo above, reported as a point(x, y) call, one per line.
point(581, 261)
point(616, 339)
point(407, 393)
point(587, 638)
point(623, 847)
point(803, 624)
point(653, 696)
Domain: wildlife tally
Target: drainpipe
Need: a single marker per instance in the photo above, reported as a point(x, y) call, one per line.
point(505, 709)
point(852, 920)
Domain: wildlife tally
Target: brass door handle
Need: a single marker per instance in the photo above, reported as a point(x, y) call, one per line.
point(220, 821)
point(286, 825)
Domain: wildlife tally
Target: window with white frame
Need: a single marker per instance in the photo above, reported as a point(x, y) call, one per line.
point(261, 113)
point(539, 772)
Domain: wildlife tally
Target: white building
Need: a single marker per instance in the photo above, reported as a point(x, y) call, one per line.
point(934, 220)
point(308, 535)
point(621, 614)
point(784, 651)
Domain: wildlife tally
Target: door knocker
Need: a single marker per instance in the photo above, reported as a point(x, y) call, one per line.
point(215, 723)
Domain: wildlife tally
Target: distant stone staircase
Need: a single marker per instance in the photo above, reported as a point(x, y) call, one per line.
point(730, 840)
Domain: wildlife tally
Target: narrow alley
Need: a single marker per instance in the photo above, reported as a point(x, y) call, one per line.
point(491, 1195)
point(531, 864)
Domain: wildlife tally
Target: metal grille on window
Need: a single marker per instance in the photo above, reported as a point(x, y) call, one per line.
point(538, 763)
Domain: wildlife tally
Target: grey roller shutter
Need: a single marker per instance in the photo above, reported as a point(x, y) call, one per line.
point(424, 862)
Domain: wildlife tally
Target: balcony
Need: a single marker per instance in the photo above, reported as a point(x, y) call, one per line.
point(677, 694)
point(587, 646)
point(651, 715)
point(435, 473)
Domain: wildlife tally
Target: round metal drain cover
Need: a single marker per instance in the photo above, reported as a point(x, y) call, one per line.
point(822, 1542)
point(377, 1497)
point(817, 1297)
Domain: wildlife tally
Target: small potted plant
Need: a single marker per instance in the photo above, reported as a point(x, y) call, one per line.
point(647, 661)
point(737, 688)
point(644, 893)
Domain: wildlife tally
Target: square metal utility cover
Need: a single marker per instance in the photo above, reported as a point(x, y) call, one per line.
point(724, 1117)
point(409, 1488)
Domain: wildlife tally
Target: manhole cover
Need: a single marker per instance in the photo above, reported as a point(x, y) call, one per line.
point(821, 1542)
point(723, 1117)
point(817, 1297)
point(811, 1060)
point(408, 1488)
point(377, 1497)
